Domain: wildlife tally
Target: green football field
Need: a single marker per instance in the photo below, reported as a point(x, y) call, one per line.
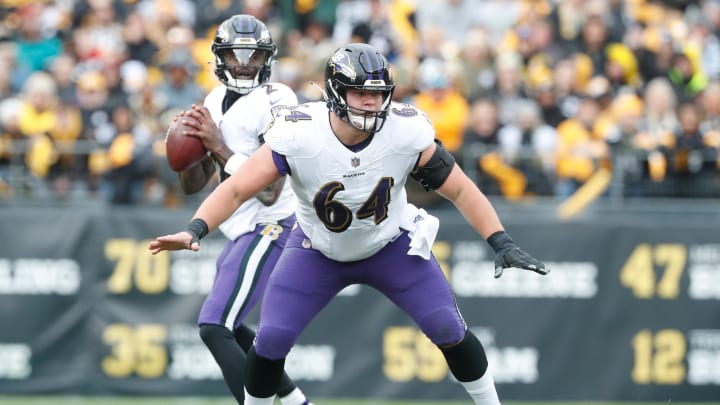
point(67, 400)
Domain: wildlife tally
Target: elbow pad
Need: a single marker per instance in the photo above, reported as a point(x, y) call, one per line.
point(436, 170)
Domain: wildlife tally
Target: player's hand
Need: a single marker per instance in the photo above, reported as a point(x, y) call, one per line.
point(199, 118)
point(179, 241)
point(508, 255)
point(518, 259)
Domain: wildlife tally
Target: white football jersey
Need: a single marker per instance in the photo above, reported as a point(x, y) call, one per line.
point(241, 126)
point(349, 203)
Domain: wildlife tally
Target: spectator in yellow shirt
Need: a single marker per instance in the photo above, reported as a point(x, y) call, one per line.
point(443, 103)
point(579, 152)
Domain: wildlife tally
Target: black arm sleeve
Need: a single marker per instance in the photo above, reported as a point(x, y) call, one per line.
point(436, 170)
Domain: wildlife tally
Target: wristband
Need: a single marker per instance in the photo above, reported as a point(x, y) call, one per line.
point(198, 229)
point(500, 241)
point(235, 161)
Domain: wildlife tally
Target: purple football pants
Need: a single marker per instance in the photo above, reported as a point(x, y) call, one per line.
point(304, 282)
point(243, 269)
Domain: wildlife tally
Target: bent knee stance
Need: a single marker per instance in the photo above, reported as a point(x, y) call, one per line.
point(443, 326)
point(467, 360)
point(274, 342)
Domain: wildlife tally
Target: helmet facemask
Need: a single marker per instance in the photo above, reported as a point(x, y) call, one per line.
point(360, 67)
point(370, 121)
point(244, 53)
point(243, 69)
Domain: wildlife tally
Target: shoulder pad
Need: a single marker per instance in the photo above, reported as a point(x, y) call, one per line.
point(279, 94)
point(411, 129)
point(287, 127)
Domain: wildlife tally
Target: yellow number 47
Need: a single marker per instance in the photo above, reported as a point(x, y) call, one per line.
point(638, 273)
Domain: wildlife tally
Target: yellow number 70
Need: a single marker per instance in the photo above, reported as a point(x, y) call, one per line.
point(135, 264)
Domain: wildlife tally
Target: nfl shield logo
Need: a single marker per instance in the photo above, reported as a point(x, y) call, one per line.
point(355, 162)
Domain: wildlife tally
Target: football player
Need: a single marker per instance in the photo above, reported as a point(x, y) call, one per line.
point(230, 126)
point(348, 160)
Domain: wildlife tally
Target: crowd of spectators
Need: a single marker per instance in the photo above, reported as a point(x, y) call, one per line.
point(534, 97)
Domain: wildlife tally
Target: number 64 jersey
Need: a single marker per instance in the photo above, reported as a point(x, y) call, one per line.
point(350, 203)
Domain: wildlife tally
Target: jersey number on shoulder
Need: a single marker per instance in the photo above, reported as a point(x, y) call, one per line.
point(406, 111)
point(269, 88)
point(337, 217)
point(294, 115)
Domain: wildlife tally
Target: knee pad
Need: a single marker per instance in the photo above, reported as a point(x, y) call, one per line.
point(274, 342)
point(443, 326)
point(467, 360)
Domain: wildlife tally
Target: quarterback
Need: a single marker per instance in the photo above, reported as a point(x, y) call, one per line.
point(230, 125)
point(348, 159)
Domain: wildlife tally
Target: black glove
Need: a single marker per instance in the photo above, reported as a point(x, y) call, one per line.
point(507, 255)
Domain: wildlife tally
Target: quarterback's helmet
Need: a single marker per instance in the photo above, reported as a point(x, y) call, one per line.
point(244, 53)
point(358, 66)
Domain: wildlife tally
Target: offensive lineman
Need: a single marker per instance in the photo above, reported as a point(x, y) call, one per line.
point(230, 125)
point(348, 160)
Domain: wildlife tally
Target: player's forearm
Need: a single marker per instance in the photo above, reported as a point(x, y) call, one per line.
point(472, 203)
point(195, 178)
point(222, 154)
point(479, 212)
point(219, 205)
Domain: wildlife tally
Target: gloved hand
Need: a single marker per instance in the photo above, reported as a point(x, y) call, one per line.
point(507, 255)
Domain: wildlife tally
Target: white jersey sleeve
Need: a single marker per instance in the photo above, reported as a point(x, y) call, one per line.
point(416, 124)
point(242, 127)
point(291, 128)
point(350, 200)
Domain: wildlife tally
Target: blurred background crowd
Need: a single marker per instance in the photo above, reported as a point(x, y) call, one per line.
point(536, 98)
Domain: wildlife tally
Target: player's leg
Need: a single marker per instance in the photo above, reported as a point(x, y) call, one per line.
point(216, 330)
point(287, 391)
point(243, 269)
point(469, 365)
point(228, 355)
point(420, 288)
point(303, 282)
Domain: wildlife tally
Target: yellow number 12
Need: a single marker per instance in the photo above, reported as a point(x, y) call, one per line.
point(659, 359)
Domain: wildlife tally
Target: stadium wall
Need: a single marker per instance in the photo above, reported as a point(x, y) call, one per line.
point(631, 311)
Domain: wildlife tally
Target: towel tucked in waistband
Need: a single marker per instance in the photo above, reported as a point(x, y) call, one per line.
point(422, 229)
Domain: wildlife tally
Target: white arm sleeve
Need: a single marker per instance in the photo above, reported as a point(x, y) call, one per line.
point(235, 161)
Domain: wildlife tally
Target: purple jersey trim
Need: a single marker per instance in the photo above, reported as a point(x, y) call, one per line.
point(360, 146)
point(281, 163)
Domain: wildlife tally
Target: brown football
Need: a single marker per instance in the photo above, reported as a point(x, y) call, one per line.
point(183, 151)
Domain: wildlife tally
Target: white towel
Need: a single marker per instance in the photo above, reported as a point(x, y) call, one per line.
point(422, 229)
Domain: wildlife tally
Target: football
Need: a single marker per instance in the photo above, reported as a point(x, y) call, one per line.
point(182, 151)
